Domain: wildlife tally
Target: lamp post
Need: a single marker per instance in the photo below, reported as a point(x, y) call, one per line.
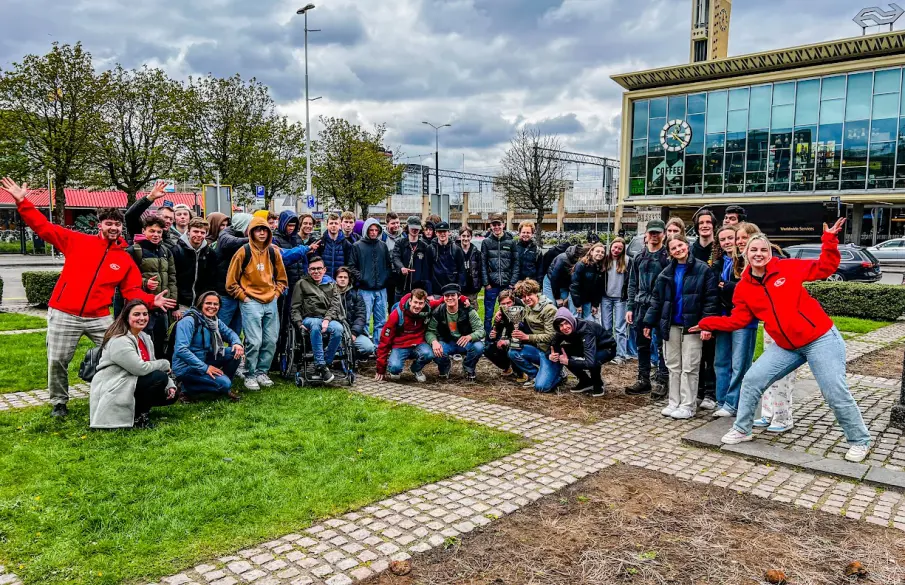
point(437, 155)
point(304, 11)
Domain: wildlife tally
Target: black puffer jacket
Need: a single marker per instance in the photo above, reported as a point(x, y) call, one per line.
point(700, 297)
point(354, 311)
point(499, 261)
point(550, 255)
point(588, 285)
point(474, 262)
point(528, 261)
point(449, 266)
point(196, 271)
point(560, 272)
point(228, 243)
point(646, 268)
point(420, 259)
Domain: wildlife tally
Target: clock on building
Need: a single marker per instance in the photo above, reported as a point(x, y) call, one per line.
point(675, 135)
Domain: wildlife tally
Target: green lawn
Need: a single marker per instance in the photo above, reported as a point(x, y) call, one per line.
point(14, 321)
point(16, 248)
point(100, 507)
point(23, 362)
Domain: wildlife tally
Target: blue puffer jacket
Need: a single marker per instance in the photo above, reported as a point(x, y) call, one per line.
point(193, 343)
point(335, 253)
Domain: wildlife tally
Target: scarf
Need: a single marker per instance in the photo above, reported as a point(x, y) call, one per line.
point(212, 324)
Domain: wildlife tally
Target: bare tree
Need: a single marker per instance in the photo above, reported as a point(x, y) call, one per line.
point(532, 176)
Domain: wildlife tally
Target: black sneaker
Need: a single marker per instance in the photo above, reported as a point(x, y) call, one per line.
point(59, 410)
point(471, 376)
point(598, 392)
point(581, 387)
point(143, 421)
point(641, 387)
point(325, 374)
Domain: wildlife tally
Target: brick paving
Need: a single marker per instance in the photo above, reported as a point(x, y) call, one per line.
point(357, 545)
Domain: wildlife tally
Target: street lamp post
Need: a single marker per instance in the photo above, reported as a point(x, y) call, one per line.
point(304, 11)
point(437, 156)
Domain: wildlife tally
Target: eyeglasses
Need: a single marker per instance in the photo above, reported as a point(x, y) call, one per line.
point(316, 268)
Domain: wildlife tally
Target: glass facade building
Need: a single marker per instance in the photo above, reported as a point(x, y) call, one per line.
point(842, 132)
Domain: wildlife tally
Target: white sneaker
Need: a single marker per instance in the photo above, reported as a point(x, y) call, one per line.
point(668, 411)
point(251, 383)
point(708, 404)
point(682, 413)
point(857, 453)
point(420, 377)
point(762, 422)
point(618, 361)
point(264, 380)
point(733, 437)
point(722, 413)
point(779, 429)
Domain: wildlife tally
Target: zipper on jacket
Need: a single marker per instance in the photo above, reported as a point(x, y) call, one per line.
point(96, 272)
point(775, 314)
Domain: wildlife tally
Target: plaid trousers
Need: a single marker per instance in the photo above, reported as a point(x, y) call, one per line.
point(63, 334)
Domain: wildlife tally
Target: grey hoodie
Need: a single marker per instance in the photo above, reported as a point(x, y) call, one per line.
point(371, 261)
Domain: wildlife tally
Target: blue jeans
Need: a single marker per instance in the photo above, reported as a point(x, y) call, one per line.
point(472, 352)
point(631, 348)
point(537, 365)
point(490, 296)
point(612, 315)
point(586, 311)
point(421, 354)
point(323, 357)
point(364, 346)
point(195, 383)
point(262, 328)
point(734, 353)
point(230, 313)
point(826, 357)
point(376, 306)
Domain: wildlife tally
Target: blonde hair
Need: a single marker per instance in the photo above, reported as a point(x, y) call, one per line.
point(743, 263)
point(526, 223)
point(621, 263)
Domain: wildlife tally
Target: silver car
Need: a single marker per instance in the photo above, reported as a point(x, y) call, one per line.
point(890, 251)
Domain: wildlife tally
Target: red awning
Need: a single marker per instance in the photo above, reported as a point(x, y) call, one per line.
point(82, 199)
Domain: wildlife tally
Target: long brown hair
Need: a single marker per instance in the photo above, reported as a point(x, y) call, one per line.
point(120, 325)
point(621, 262)
point(718, 253)
point(588, 261)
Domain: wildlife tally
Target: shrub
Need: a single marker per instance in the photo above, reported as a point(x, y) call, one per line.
point(882, 302)
point(39, 286)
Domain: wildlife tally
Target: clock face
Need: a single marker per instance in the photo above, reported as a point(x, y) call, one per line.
point(675, 135)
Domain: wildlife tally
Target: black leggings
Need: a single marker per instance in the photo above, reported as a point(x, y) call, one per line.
point(151, 390)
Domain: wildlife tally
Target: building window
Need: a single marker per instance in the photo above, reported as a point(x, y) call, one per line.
point(701, 13)
point(700, 50)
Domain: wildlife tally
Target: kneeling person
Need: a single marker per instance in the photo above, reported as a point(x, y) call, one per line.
point(455, 329)
point(583, 346)
point(200, 360)
point(316, 307)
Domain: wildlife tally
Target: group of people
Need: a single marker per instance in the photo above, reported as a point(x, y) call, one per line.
point(201, 302)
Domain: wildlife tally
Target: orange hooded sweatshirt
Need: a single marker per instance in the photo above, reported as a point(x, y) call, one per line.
point(257, 281)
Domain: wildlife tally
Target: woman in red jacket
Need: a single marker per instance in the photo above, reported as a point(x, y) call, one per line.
point(771, 290)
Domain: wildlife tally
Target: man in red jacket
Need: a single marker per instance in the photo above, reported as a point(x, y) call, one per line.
point(80, 302)
point(401, 341)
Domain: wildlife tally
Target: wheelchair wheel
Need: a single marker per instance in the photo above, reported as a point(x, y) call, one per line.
point(350, 377)
point(287, 360)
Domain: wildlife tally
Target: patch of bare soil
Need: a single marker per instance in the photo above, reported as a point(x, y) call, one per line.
point(886, 363)
point(626, 525)
point(491, 386)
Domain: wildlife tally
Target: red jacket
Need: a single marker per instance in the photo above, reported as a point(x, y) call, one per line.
point(791, 316)
point(410, 334)
point(93, 268)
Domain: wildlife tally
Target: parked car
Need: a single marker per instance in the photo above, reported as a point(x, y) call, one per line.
point(890, 251)
point(857, 263)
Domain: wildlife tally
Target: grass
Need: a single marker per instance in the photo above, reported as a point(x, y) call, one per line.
point(15, 321)
point(16, 248)
point(23, 362)
point(100, 507)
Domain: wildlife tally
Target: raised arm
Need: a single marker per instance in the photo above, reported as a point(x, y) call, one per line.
point(58, 236)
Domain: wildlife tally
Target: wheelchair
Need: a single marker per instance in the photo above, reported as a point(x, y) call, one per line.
point(297, 362)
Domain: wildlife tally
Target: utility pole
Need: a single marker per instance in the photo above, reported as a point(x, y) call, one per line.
point(437, 156)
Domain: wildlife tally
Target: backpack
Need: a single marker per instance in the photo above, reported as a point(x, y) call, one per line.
point(273, 261)
point(170, 344)
point(400, 318)
point(88, 367)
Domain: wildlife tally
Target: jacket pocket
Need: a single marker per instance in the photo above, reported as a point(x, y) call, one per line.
point(803, 316)
point(62, 288)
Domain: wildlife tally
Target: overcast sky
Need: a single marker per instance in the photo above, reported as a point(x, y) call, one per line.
point(485, 66)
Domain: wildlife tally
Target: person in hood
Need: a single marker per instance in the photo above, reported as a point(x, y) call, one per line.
point(348, 221)
point(353, 313)
point(413, 259)
point(772, 290)
point(582, 346)
point(533, 336)
point(372, 265)
point(295, 258)
point(429, 234)
point(335, 247)
point(94, 267)
point(217, 222)
point(200, 361)
point(196, 265)
point(449, 260)
point(498, 252)
point(229, 241)
point(256, 279)
point(402, 337)
point(455, 329)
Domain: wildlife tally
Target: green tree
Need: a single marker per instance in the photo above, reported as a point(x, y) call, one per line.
point(14, 161)
point(54, 104)
point(280, 167)
point(351, 167)
point(139, 144)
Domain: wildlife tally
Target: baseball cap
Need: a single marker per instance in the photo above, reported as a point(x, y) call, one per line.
point(442, 227)
point(656, 225)
point(413, 222)
point(496, 218)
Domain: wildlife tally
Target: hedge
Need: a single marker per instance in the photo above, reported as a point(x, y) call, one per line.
point(881, 302)
point(39, 286)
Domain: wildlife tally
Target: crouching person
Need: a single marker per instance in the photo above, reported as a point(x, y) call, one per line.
point(200, 361)
point(583, 346)
point(129, 380)
point(497, 347)
point(455, 329)
point(532, 337)
point(354, 313)
point(402, 337)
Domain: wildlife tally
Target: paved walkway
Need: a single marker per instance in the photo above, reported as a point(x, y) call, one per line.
point(342, 550)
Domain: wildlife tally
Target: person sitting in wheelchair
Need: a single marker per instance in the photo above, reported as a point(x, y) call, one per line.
point(317, 309)
point(455, 329)
point(354, 313)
